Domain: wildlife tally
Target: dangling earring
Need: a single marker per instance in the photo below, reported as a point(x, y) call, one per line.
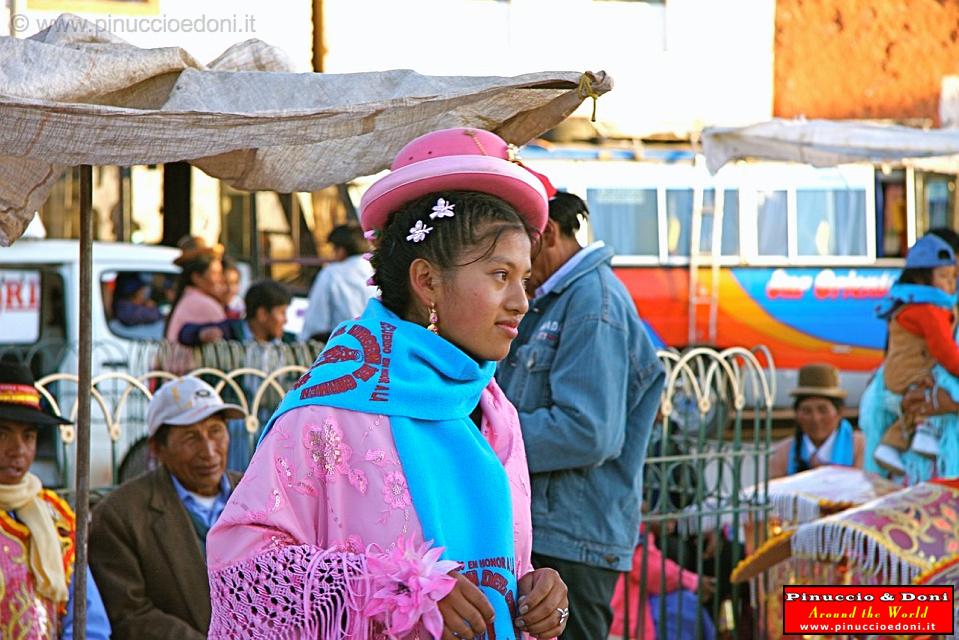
point(434, 320)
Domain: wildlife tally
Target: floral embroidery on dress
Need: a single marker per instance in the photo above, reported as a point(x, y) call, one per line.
point(287, 472)
point(358, 480)
point(329, 454)
point(376, 456)
point(276, 540)
point(395, 492)
point(352, 544)
point(276, 501)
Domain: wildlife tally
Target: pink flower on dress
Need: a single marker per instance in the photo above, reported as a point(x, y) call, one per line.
point(284, 469)
point(275, 540)
point(358, 480)
point(406, 584)
point(328, 453)
point(352, 544)
point(376, 456)
point(395, 492)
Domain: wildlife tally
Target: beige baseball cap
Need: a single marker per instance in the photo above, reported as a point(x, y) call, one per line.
point(187, 400)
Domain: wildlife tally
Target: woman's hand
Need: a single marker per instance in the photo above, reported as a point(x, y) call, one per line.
point(543, 605)
point(918, 401)
point(210, 334)
point(466, 611)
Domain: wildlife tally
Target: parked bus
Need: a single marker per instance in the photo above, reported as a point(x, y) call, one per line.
point(777, 254)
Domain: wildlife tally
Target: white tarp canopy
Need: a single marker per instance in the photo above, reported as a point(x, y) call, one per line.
point(826, 143)
point(71, 97)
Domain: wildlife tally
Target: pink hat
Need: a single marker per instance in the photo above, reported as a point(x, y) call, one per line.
point(458, 159)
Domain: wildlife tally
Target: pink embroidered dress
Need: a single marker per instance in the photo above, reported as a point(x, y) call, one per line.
point(321, 538)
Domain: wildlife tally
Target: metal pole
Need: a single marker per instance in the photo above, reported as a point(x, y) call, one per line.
point(83, 399)
point(255, 267)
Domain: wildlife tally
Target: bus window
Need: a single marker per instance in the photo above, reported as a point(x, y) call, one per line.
point(772, 223)
point(679, 218)
point(938, 197)
point(894, 213)
point(730, 235)
point(625, 219)
point(831, 222)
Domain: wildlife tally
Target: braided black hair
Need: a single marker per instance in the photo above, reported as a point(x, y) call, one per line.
point(478, 220)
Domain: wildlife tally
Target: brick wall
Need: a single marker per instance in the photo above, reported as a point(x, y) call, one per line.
point(864, 58)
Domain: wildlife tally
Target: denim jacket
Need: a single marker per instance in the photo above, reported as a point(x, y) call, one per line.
point(586, 382)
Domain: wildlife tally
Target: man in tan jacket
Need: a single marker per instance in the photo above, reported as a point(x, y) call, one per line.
point(148, 541)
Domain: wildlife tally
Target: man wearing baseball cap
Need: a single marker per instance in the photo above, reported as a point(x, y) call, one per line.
point(37, 527)
point(148, 543)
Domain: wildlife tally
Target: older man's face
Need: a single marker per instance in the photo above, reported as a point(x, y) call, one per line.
point(18, 448)
point(196, 454)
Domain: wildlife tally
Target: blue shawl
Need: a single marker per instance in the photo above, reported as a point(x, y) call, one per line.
point(901, 294)
point(384, 365)
point(842, 449)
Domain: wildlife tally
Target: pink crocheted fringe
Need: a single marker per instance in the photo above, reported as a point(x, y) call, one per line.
point(291, 593)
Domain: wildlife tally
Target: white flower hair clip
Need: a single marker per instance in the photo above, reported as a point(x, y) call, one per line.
point(418, 232)
point(442, 209)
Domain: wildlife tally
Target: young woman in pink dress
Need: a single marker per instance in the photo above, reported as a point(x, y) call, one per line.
point(389, 495)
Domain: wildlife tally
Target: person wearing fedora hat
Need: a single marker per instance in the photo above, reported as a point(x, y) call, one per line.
point(148, 537)
point(37, 527)
point(822, 435)
point(389, 495)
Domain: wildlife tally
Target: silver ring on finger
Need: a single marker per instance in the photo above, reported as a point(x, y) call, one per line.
point(563, 614)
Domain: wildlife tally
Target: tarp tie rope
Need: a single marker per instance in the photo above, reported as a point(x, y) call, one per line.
point(586, 91)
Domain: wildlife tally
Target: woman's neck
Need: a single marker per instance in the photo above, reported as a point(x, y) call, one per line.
point(817, 442)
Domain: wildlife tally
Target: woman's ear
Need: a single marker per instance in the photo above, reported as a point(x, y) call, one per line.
point(424, 283)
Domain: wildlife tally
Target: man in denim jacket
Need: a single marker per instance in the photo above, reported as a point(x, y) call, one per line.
point(586, 381)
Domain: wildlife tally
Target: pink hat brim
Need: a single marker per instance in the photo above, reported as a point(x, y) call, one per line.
point(485, 174)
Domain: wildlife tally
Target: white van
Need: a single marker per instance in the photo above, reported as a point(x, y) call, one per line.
point(40, 323)
point(39, 297)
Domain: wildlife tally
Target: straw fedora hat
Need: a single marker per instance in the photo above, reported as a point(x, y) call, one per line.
point(460, 159)
point(820, 380)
